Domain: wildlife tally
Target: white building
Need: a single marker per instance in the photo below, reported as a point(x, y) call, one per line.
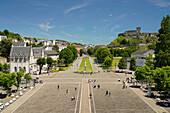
point(2, 37)
point(140, 56)
point(51, 53)
point(21, 57)
point(61, 47)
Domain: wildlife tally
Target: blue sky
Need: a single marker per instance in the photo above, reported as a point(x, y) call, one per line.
point(84, 21)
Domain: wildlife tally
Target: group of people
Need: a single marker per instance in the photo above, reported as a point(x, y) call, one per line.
point(108, 93)
point(67, 91)
point(89, 81)
point(97, 86)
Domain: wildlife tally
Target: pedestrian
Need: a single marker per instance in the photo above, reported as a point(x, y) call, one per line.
point(126, 85)
point(58, 87)
point(123, 86)
point(109, 93)
point(106, 92)
point(67, 91)
point(94, 86)
point(94, 81)
point(75, 88)
point(90, 95)
point(98, 86)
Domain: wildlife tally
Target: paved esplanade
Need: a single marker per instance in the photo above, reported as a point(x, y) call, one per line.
point(47, 98)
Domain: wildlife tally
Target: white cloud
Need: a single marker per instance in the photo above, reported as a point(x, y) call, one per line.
point(110, 14)
point(75, 8)
point(46, 34)
point(115, 27)
point(160, 3)
point(46, 26)
point(80, 28)
point(67, 34)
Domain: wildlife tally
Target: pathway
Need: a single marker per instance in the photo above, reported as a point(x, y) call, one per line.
point(84, 102)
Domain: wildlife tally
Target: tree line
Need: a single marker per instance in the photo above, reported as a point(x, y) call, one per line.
point(7, 80)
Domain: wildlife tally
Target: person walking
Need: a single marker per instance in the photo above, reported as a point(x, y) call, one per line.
point(75, 88)
point(98, 86)
point(58, 87)
point(109, 94)
point(90, 95)
point(106, 92)
point(67, 91)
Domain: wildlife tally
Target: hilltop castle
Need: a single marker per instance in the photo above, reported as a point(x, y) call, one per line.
point(137, 33)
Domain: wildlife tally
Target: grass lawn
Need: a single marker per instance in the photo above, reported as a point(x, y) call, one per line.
point(115, 62)
point(88, 65)
point(92, 57)
point(64, 67)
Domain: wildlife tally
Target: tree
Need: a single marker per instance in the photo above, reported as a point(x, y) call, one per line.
point(132, 64)
point(108, 61)
point(74, 50)
point(18, 78)
point(161, 79)
point(122, 64)
point(67, 55)
point(90, 51)
point(49, 63)
point(112, 51)
point(149, 61)
point(6, 32)
point(125, 54)
point(124, 42)
point(101, 53)
point(163, 44)
point(81, 52)
point(41, 61)
point(27, 77)
point(142, 73)
point(2, 33)
point(56, 48)
point(1, 67)
point(5, 45)
point(5, 67)
point(7, 81)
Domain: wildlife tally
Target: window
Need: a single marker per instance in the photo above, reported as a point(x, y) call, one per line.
point(12, 59)
point(15, 68)
point(16, 59)
point(24, 59)
point(24, 69)
point(19, 68)
point(20, 60)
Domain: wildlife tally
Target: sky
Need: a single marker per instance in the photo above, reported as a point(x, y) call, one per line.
point(84, 21)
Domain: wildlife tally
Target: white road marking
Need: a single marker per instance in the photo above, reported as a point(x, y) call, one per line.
point(108, 76)
point(77, 99)
point(26, 99)
point(81, 96)
point(89, 99)
point(93, 99)
point(145, 101)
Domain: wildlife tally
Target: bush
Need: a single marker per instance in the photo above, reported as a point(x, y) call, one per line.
point(55, 70)
point(61, 69)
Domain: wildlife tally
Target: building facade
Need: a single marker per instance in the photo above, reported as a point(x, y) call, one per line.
point(140, 56)
point(21, 57)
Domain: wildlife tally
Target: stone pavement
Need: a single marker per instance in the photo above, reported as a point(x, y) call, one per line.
point(149, 101)
point(83, 103)
point(11, 108)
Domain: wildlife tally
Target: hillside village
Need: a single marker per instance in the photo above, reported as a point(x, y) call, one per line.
point(25, 51)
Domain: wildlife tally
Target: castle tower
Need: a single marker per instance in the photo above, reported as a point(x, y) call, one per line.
point(138, 29)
